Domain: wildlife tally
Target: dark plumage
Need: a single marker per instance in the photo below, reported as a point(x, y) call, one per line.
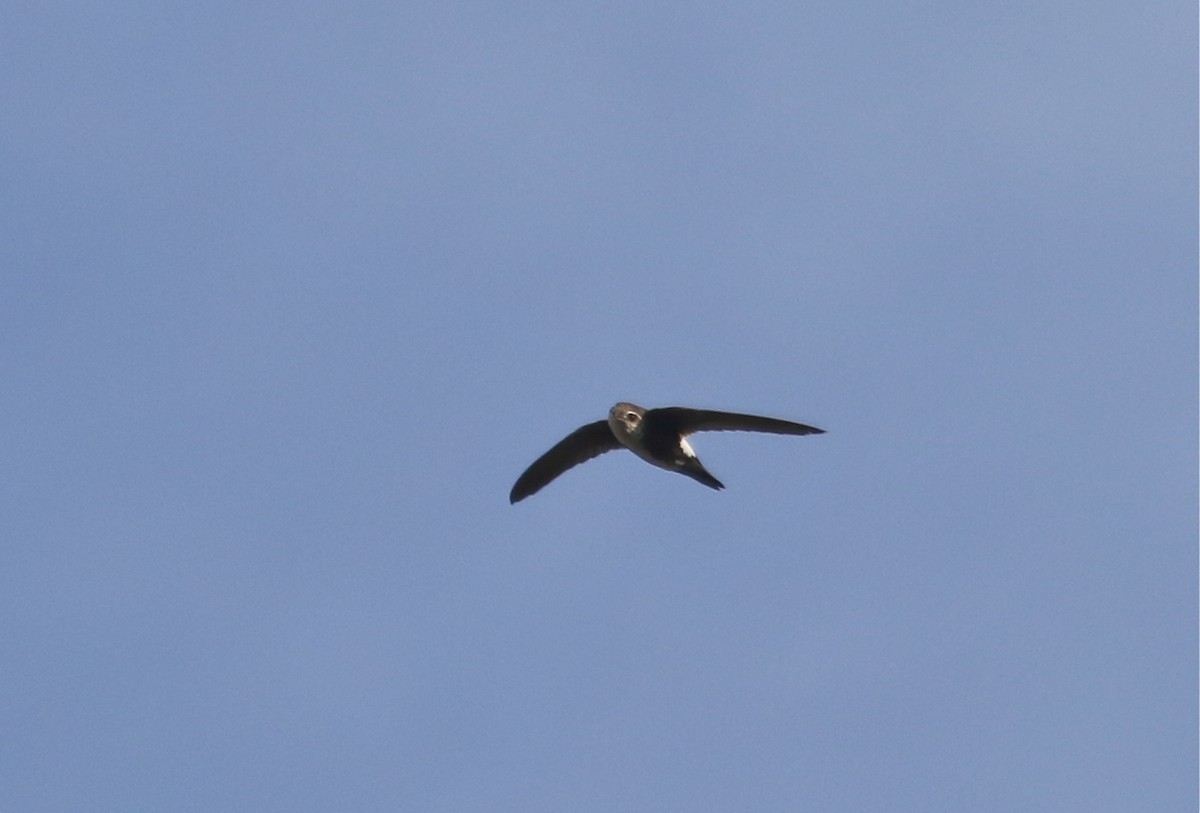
point(658, 436)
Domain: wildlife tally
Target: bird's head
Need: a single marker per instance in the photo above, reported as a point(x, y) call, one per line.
point(625, 420)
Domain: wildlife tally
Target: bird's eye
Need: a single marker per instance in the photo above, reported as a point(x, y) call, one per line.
point(632, 417)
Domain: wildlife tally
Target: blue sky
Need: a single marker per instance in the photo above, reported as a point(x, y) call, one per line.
point(294, 291)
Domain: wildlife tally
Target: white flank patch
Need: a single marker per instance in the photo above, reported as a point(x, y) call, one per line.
point(687, 447)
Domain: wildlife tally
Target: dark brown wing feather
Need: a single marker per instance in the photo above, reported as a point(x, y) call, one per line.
point(580, 446)
point(686, 421)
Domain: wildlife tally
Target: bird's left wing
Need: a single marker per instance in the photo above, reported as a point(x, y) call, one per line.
point(578, 447)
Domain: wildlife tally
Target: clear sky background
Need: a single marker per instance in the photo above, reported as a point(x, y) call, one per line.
point(292, 292)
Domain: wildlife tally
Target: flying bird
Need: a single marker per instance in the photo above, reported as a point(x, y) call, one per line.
point(658, 436)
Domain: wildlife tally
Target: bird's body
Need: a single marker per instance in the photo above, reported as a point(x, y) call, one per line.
point(658, 436)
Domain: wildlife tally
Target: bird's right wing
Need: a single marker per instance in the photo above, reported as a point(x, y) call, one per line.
point(686, 421)
point(578, 447)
